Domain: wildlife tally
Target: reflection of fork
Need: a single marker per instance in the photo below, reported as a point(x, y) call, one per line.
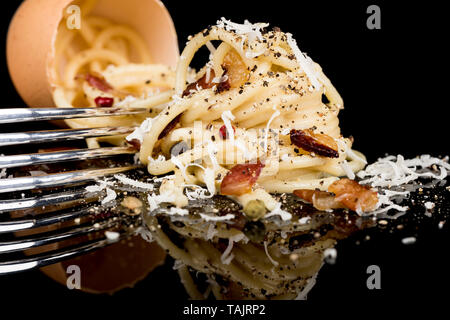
point(51, 214)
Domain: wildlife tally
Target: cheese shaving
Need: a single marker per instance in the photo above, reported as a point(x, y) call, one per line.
point(211, 232)
point(348, 171)
point(112, 235)
point(212, 218)
point(252, 31)
point(154, 200)
point(275, 263)
point(277, 211)
point(227, 256)
point(409, 240)
point(304, 62)
point(139, 132)
point(110, 196)
point(3, 173)
point(134, 183)
point(227, 117)
point(395, 171)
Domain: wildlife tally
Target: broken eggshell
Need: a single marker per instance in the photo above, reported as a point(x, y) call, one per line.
point(32, 34)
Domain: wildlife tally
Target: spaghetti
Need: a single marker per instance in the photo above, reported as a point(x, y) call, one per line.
point(251, 124)
point(244, 106)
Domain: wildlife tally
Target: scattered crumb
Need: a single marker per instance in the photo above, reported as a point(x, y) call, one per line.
point(409, 240)
point(112, 235)
point(330, 255)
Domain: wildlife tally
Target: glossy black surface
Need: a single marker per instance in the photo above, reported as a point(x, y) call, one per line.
point(395, 102)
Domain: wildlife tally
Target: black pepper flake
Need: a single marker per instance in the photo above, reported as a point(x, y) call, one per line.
point(148, 82)
point(265, 84)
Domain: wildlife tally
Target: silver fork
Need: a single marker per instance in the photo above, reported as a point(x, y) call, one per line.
point(32, 208)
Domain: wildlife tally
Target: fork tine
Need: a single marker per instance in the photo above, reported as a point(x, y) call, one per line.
point(42, 260)
point(52, 236)
point(57, 179)
point(26, 224)
point(54, 157)
point(8, 139)
point(11, 115)
point(45, 201)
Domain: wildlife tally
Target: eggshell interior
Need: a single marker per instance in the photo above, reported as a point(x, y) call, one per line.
point(30, 54)
point(32, 35)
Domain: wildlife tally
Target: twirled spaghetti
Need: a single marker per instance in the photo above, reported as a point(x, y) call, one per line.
point(252, 123)
point(259, 91)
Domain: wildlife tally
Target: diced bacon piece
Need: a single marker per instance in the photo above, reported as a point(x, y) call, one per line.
point(320, 144)
point(321, 200)
point(104, 102)
point(235, 75)
point(97, 81)
point(224, 133)
point(235, 68)
point(172, 124)
point(353, 195)
point(240, 179)
point(200, 83)
point(135, 143)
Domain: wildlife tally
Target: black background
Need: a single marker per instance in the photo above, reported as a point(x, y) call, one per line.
point(394, 86)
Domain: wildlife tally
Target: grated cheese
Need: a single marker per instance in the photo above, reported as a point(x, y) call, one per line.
point(304, 220)
point(140, 131)
point(210, 47)
point(138, 184)
point(252, 31)
point(304, 62)
point(394, 171)
point(330, 255)
point(127, 100)
point(227, 117)
point(112, 235)
point(429, 205)
point(277, 211)
point(177, 211)
point(275, 263)
point(3, 173)
point(227, 256)
point(348, 171)
point(154, 200)
point(211, 232)
point(206, 217)
point(110, 196)
point(409, 240)
point(180, 166)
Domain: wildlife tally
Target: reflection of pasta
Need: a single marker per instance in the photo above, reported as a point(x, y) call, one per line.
point(250, 273)
point(113, 52)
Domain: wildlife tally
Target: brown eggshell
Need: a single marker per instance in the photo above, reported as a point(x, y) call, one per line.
point(120, 265)
point(30, 54)
point(32, 33)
